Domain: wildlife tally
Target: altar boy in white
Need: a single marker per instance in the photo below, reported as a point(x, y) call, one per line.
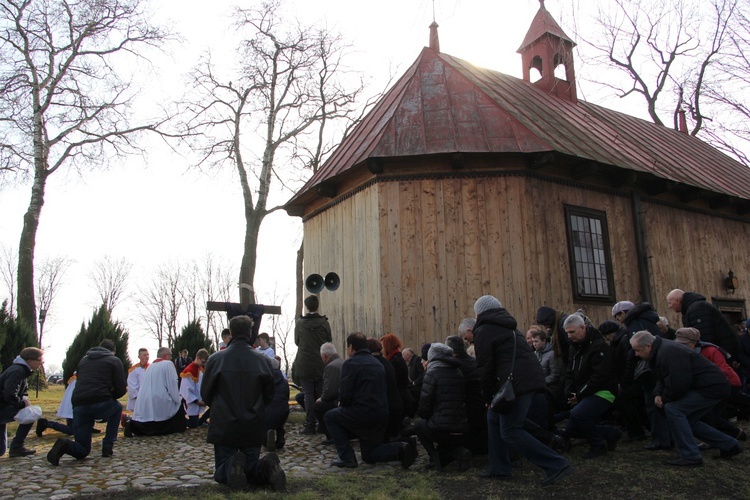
point(190, 388)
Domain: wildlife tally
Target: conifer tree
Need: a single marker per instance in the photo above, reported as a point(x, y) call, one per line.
point(14, 336)
point(100, 327)
point(192, 338)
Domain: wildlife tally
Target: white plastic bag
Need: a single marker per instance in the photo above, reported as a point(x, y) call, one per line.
point(29, 415)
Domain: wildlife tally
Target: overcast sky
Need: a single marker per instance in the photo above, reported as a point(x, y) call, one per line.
point(155, 210)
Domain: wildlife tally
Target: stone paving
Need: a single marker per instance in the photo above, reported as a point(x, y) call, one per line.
point(150, 463)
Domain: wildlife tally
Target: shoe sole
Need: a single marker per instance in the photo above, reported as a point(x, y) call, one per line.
point(568, 470)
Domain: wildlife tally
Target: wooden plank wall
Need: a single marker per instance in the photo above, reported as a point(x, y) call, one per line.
point(695, 252)
point(345, 239)
point(414, 255)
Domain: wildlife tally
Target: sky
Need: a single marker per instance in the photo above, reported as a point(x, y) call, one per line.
point(156, 209)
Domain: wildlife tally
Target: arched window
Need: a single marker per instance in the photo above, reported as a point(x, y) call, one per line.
point(560, 70)
point(536, 71)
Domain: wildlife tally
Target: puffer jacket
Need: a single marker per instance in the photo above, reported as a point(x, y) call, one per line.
point(642, 317)
point(546, 357)
point(237, 384)
point(495, 338)
point(590, 366)
point(13, 385)
point(706, 318)
point(101, 377)
point(310, 332)
point(442, 401)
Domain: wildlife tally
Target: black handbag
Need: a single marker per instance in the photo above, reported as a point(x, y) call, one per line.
point(505, 397)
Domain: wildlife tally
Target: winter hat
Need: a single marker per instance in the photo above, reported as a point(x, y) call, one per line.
point(687, 336)
point(623, 306)
point(425, 350)
point(545, 316)
point(608, 327)
point(485, 303)
point(438, 349)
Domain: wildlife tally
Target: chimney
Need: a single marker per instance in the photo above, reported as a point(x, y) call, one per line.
point(434, 40)
point(683, 122)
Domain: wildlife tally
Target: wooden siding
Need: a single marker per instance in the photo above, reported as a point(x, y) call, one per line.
point(414, 254)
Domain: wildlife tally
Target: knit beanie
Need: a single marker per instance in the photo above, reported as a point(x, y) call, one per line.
point(485, 303)
point(425, 350)
point(438, 349)
point(608, 327)
point(545, 316)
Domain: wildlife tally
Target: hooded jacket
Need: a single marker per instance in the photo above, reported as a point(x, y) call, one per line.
point(495, 338)
point(442, 401)
point(706, 318)
point(310, 332)
point(642, 317)
point(679, 369)
point(101, 377)
point(13, 385)
point(237, 384)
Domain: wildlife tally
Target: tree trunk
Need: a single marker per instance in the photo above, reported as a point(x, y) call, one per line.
point(300, 279)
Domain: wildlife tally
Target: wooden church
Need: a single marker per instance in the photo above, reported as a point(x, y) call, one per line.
point(464, 181)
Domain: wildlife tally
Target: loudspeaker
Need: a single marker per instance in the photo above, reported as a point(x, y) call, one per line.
point(332, 281)
point(314, 283)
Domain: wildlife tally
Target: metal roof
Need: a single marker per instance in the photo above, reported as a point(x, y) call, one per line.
point(443, 105)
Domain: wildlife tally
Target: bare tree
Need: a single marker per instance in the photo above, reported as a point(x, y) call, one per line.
point(48, 283)
point(110, 276)
point(280, 327)
point(681, 56)
point(8, 269)
point(217, 283)
point(287, 91)
point(161, 303)
point(64, 102)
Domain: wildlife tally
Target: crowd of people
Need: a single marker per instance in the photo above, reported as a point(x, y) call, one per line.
point(632, 377)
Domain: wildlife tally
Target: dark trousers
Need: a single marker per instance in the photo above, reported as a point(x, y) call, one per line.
point(6, 415)
point(224, 460)
point(83, 421)
point(321, 407)
point(175, 424)
point(584, 421)
point(343, 427)
point(447, 443)
point(312, 389)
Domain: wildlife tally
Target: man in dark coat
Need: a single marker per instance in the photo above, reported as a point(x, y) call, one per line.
point(310, 332)
point(14, 398)
point(590, 386)
point(99, 384)
point(237, 384)
point(442, 406)
point(495, 341)
point(706, 318)
point(329, 399)
point(688, 386)
point(476, 411)
point(363, 411)
point(395, 403)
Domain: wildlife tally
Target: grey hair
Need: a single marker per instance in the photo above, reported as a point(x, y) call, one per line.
point(328, 349)
point(574, 320)
point(642, 339)
point(664, 321)
point(466, 325)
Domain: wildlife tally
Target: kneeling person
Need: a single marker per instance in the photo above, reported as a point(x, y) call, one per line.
point(158, 409)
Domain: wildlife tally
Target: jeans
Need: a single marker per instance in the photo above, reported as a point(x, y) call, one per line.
point(447, 443)
point(684, 417)
point(83, 421)
point(505, 432)
point(6, 416)
point(224, 459)
point(584, 421)
point(660, 435)
point(312, 389)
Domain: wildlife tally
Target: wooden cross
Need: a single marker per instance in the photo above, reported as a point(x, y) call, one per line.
point(244, 304)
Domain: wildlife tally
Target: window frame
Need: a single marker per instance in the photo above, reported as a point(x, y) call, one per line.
point(589, 213)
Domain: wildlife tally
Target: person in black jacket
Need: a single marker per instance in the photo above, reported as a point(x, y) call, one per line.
point(590, 387)
point(99, 384)
point(363, 411)
point(688, 386)
point(442, 406)
point(476, 411)
point(14, 397)
point(706, 318)
point(238, 384)
point(495, 341)
point(395, 404)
